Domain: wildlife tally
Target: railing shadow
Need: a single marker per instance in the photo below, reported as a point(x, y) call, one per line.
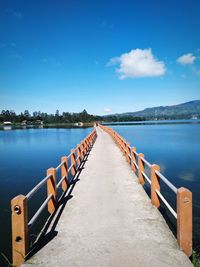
point(49, 232)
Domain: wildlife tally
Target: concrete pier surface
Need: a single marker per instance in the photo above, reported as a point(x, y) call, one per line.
point(109, 220)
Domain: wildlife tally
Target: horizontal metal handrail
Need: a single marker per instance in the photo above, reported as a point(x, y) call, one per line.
point(146, 177)
point(167, 182)
point(70, 155)
point(135, 164)
point(146, 162)
point(166, 203)
point(60, 182)
point(37, 187)
point(70, 167)
point(37, 214)
point(60, 165)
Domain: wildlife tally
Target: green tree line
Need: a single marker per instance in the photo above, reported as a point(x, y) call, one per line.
point(65, 117)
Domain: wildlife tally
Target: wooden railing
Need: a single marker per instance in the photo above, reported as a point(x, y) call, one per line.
point(19, 207)
point(183, 213)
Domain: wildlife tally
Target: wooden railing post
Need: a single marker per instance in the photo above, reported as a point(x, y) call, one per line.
point(133, 159)
point(124, 147)
point(73, 162)
point(79, 154)
point(140, 168)
point(64, 172)
point(155, 185)
point(82, 151)
point(128, 152)
point(51, 189)
point(119, 141)
point(184, 220)
point(86, 146)
point(121, 144)
point(19, 229)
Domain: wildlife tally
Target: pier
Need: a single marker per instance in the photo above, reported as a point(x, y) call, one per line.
point(104, 217)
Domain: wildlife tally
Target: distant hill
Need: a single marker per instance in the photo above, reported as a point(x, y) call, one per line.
point(184, 110)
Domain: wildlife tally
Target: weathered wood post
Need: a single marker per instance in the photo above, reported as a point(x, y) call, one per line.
point(155, 185)
point(64, 172)
point(51, 189)
point(19, 229)
point(73, 162)
point(184, 220)
point(133, 158)
point(140, 168)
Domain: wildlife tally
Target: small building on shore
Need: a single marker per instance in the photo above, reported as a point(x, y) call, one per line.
point(39, 122)
point(24, 123)
point(79, 124)
point(7, 123)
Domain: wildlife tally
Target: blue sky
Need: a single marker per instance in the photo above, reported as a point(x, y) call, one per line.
point(102, 56)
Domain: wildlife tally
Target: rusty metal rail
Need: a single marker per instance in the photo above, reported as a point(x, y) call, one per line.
point(183, 213)
point(19, 204)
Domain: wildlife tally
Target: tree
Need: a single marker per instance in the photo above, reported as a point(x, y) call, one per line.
point(27, 114)
point(57, 113)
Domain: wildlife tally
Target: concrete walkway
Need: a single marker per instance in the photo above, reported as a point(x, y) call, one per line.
point(109, 221)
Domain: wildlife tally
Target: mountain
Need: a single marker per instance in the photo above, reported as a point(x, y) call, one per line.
point(184, 110)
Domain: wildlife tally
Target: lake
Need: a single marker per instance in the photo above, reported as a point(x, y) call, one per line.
point(26, 154)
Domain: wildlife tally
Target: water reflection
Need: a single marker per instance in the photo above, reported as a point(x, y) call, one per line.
point(187, 176)
point(7, 128)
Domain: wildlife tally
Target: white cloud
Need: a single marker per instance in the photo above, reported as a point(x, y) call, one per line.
point(138, 63)
point(186, 59)
point(113, 61)
point(107, 109)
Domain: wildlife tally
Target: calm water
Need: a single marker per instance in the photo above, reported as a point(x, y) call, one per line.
point(24, 157)
point(26, 154)
point(176, 148)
